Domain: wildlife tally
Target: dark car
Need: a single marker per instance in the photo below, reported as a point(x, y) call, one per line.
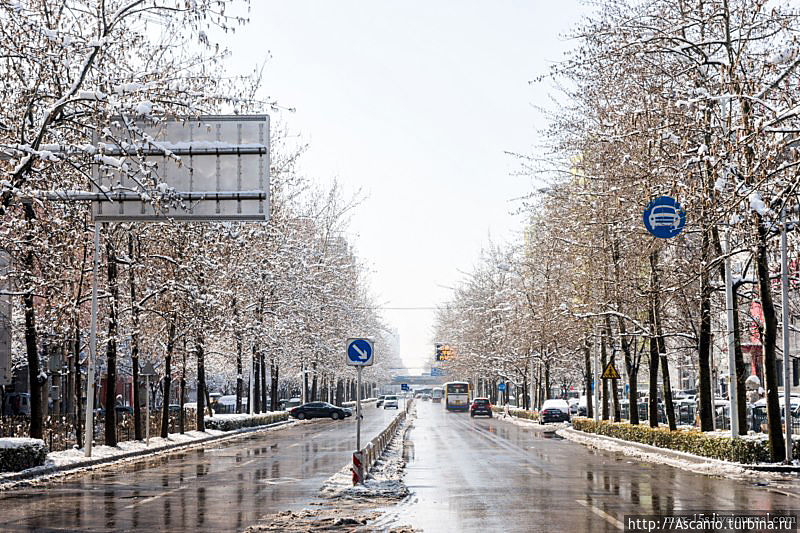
point(480, 406)
point(554, 411)
point(319, 410)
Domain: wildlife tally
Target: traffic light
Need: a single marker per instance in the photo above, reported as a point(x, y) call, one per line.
point(442, 352)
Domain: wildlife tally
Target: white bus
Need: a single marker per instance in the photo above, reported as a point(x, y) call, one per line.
point(437, 394)
point(456, 396)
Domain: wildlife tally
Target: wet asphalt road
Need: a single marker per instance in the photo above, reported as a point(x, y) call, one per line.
point(488, 475)
point(225, 487)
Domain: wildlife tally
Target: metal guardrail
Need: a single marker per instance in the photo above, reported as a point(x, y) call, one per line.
point(375, 448)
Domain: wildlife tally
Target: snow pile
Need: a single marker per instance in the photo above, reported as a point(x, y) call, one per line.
point(20, 453)
point(522, 422)
point(384, 480)
point(682, 460)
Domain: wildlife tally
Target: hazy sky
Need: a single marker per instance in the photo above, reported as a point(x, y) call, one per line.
point(415, 103)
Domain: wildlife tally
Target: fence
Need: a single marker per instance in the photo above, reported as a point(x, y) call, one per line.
point(59, 431)
point(375, 448)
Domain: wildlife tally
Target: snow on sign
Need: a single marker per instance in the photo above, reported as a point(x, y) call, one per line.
point(664, 217)
point(610, 371)
point(360, 352)
point(213, 167)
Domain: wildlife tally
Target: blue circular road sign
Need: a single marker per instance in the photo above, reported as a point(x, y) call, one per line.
point(664, 217)
point(359, 352)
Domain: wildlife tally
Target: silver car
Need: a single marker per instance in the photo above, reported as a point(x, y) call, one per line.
point(390, 401)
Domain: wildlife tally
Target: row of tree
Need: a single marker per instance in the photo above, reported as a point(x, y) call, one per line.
point(200, 300)
point(693, 99)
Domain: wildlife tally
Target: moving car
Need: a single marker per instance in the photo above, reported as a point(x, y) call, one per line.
point(554, 411)
point(380, 400)
point(480, 406)
point(319, 410)
point(390, 401)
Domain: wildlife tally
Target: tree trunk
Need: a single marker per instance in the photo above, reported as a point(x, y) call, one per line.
point(587, 359)
point(111, 348)
point(239, 374)
point(77, 379)
point(256, 382)
point(604, 382)
point(662, 350)
point(167, 379)
point(263, 382)
point(31, 342)
point(273, 375)
point(777, 448)
point(239, 367)
point(314, 382)
point(137, 410)
point(201, 383)
point(704, 344)
point(182, 399)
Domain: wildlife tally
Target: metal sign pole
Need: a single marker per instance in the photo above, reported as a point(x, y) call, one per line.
point(89, 426)
point(787, 384)
point(358, 410)
point(733, 381)
point(596, 386)
point(147, 408)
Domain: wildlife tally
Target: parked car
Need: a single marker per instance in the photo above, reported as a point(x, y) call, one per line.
point(573, 405)
point(480, 406)
point(380, 400)
point(554, 411)
point(319, 410)
point(391, 401)
point(17, 404)
point(288, 404)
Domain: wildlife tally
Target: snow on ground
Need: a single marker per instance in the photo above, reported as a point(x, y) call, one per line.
point(524, 422)
point(682, 460)
point(384, 480)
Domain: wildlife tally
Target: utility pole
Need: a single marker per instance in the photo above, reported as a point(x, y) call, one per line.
point(787, 384)
point(733, 384)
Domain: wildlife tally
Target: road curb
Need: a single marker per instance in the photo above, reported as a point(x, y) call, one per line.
point(15, 479)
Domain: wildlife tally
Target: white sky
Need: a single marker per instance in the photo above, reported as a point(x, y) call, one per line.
point(414, 103)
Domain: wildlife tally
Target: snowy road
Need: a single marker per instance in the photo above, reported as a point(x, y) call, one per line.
point(489, 475)
point(223, 488)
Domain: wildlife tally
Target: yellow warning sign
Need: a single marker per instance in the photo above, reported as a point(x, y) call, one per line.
point(610, 372)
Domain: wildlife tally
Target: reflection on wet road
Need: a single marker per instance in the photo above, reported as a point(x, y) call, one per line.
point(489, 475)
point(225, 487)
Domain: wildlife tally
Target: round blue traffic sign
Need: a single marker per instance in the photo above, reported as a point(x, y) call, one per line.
point(664, 217)
point(359, 352)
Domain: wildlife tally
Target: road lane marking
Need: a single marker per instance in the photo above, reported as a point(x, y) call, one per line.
point(157, 496)
point(790, 494)
point(607, 517)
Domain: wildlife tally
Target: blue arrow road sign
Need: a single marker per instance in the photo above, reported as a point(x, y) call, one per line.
point(501, 386)
point(404, 386)
point(359, 352)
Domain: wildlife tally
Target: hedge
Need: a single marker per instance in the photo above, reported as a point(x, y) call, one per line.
point(741, 450)
point(231, 422)
point(18, 454)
